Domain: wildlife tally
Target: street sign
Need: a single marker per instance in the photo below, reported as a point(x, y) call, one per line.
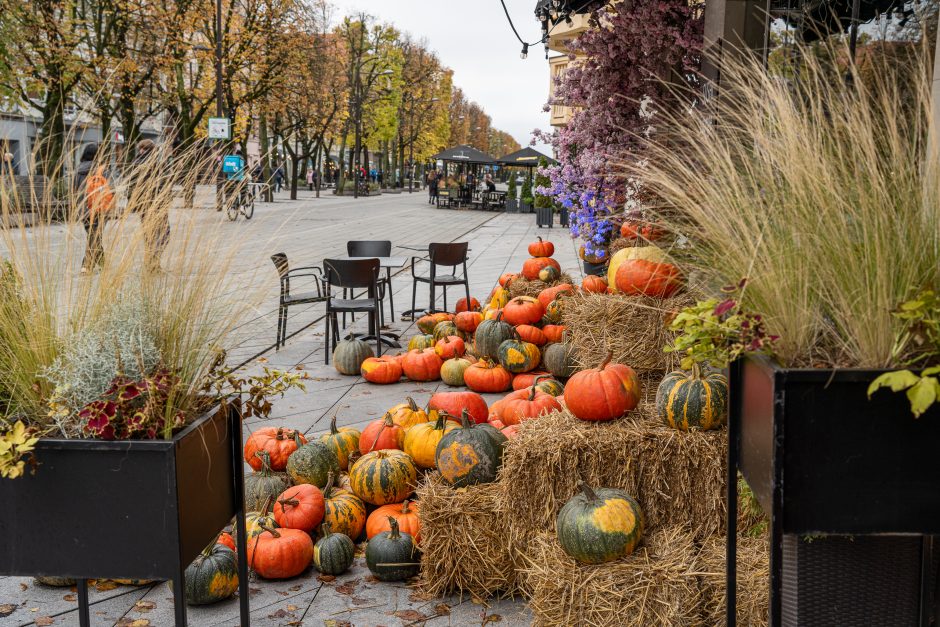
point(117, 137)
point(220, 128)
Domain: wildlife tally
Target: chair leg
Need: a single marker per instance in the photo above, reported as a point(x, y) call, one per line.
point(391, 297)
point(432, 302)
point(466, 284)
point(326, 340)
point(445, 298)
point(378, 331)
point(346, 295)
point(414, 299)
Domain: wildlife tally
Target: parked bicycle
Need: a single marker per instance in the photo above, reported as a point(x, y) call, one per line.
point(243, 202)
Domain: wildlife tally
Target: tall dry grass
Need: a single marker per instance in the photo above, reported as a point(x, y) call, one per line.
point(823, 193)
point(191, 305)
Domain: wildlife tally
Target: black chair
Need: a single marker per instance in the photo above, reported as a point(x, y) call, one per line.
point(287, 299)
point(446, 256)
point(352, 274)
point(376, 248)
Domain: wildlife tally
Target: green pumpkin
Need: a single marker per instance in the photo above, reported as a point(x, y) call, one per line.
point(444, 329)
point(263, 484)
point(392, 555)
point(349, 355)
point(334, 553)
point(256, 521)
point(550, 386)
point(470, 454)
point(690, 402)
point(558, 359)
point(421, 342)
point(452, 371)
point(312, 463)
point(343, 441)
point(518, 356)
point(549, 274)
point(597, 526)
point(552, 312)
point(213, 576)
point(489, 335)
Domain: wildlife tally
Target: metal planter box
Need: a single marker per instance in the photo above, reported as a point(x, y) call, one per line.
point(512, 205)
point(544, 217)
point(136, 509)
point(824, 460)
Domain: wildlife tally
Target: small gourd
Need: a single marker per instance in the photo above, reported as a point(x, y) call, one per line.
point(392, 555)
point(334, 553)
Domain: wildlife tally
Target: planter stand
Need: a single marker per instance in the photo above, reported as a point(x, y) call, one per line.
point(850, 487)
point(100, 498)
point(563, 216)
point(544, 217)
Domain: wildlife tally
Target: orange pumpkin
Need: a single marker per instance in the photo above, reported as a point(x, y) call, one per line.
point(381, 370)
point(634, 230)
point(510, 431)
point(541, 248)
point(462, 305)
point(603, 393)
point(468, 321)
point(527, 404)
point(227, 540)
point(406, 513)
point(408, 414)
point(450, 347)
point(453, 403)
point(595, 284)
point(534, 265)
point(551, 293)
point(523, 310)
point(527, 379)
point(300, 507)
point(277, 442)
point(280, 553)
point(506, 278)
point(531, 334)
point(649, 278)
point(554, 332)
point(380, 435)
point(422, 365)
point(487, 377)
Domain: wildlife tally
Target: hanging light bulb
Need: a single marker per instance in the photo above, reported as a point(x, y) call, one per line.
point(525, 51)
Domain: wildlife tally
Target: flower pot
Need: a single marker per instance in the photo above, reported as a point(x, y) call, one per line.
point(525, 207)
point(512, 205)
point(544, 217)
point(133, 509)
point(597, 269)
point(563, 216)
point(824, 460)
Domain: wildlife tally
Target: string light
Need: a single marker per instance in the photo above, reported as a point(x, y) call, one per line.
point(525, 51)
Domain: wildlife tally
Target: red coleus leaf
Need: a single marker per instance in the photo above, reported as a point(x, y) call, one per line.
point(724, 307)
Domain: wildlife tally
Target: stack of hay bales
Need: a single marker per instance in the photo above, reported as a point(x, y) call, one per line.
point(521, 286)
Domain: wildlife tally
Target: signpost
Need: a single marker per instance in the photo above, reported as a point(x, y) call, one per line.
point(220, 128)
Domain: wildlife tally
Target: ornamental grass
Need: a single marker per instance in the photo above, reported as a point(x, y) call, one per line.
point(823, 192)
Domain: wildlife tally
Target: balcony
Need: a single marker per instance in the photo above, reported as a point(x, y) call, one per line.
point(562, 33)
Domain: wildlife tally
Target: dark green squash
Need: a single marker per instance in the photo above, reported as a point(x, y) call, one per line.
point(444, 329)
point(213, 575)
point(689, 402)
point(312, 463)
point(263, 484)
point(349, 355)
point(334, 553)
point(518, 356)
point(470, 454)
point(489, 335)
point(597, 526)
point(559, 359)
point(392, 555)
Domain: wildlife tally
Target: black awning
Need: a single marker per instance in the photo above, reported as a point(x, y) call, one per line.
point(525, 158)
point(464, 154)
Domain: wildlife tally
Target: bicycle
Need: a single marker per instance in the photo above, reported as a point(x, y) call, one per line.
point(243, 202)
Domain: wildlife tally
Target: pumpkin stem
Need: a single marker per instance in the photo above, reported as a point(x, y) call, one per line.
point(535, 382)
point(270, 530)
point(325, 530)
point(265, 458)
point(388, 424)
point(465, 419)
point(404, 506)
point(393, 523)
point(297, 439)
point(329, 485)
point(333, 429)
point(586, 490)
point(289, 503)
point(610, 356)
point(267, 505)
point(696, 371)
point(412, 404)
point(441, 421)
point(280, 434)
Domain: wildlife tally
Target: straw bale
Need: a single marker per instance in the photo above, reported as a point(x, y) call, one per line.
point(633, 327)
point(657, 585)
point(521, 286)
point(678, 478)
point(620, 243)
point(465, 541)
point(753, 580)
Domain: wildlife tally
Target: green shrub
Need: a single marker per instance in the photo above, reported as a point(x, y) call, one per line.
point(511, 192)
point(542, 180)
point(527, 190)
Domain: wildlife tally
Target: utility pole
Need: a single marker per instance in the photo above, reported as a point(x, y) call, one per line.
point(219, 96)
point(358, 105)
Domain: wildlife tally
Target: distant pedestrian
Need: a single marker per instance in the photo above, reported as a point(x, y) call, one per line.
point(154, 214)
point(94, 199)
point(8, 166)
point(433, 186)
point(278, 178)
point(310, 178)
point(490, 185)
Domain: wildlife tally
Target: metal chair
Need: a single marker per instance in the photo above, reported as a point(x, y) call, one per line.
point(286, 299)
point(352, 274)
point(376, 248)
point(445, 255)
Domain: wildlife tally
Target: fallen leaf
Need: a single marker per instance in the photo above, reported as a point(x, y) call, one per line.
point(372, 579)
point(324, 579)
point(295, 588)
point(253, 591)
point(69, 597)
point(144, 606)
point(262, 360)
point(24, 587)
point(295, 623)
point(104, 585)
point(363, 600)
point(45, 621)
point(291, 608)
point(34, 609)
point(347, 588)
point(409, 615)
point(336, 623)
point(6, 609)
point(442, 609)
point(283, 593)
point(278, 614)
point(493, 618)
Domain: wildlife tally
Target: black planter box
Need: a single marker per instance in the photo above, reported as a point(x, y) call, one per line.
point(512, 205)
point(525, 207)
point(563, 216)
point(544, 217)
point(597, 269)
point(137, 509)
point(824, 460)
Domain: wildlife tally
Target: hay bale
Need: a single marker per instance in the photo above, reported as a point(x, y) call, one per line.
point(657, 585)
point(753, 580)
point(465, 541)
point(678, 478)
point(521, 286)
point(633, 327)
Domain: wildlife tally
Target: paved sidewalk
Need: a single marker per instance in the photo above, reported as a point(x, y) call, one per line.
point(308, 230)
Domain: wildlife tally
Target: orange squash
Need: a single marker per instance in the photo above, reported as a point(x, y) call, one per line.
point(277, 442)
point(423, 365)
point(406, 513)
point(487, 377)
point(462, 305)
point(523, 310)
point(450, 347)
point(280, 553)
point(554, 332)
point(527, 379)
point(531, 267)
point(380, 435)
point(408, 414)
point(527, 404)
point(603, 393)
point(551, 293)
point(648, 278)
point(541, 248)
point(468, 321)
point(506, 278)
point(300, 507)
point(594, 284)
point(531, 334)
point(381, 370)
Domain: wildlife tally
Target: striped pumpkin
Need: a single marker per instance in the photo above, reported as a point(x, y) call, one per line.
point(343, 511)
point(518, 356)
point(383, 477)
point(597, 526)
point(490, 334)
point(692, 402)
point(421, 440)
point(213, 576)
point(334, 553)
point(349, 355)
point(343, 441)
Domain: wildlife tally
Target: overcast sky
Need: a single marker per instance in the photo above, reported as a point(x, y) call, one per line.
point(474, 39)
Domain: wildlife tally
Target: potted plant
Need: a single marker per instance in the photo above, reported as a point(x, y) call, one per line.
point(544, 215)
point(512, 202)
point(833, 337)
point(526, 199)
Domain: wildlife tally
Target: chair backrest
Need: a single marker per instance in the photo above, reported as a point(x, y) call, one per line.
point(280, 262)
point(369, 248)
point(351, 273)
point(449, 254)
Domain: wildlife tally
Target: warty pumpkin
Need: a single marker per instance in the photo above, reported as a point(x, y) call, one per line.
point(523, 310)
point(553, 311)
point(559, 359)
point(597, 526)
point(420, 342)
point(212, 576)
point(343, 511)
point(450, 347)
point(689, 401)
point(648, 278)
point(454, 403)
point(380, 435)
point(517, 355)
point(408, 414)
point(264, 484)
point(423, 365)
point(489, 335)
point(421, 440)
point(471, 454)
point(487, 377)
point(531, 267)
point(381, 370)
point(312, 463)
point(343, 441)
point(333, 553)
point(280, 553)
point(392, 555)
point(277, 442)
point(541, 248)
point(383, 477)
point(603, 393)
point(300, 507)
point(406, 513)
point(468, 321)
point(453, 369)
point(349, 355)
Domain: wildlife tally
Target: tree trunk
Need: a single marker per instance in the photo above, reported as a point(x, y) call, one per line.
point(341, 166)
point(51, 135)
point(265, 147)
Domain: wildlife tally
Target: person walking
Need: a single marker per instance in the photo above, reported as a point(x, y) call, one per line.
point(95, 199)
point(278, 178)
point(433, 186)
point(154, 214)
point(310, 178)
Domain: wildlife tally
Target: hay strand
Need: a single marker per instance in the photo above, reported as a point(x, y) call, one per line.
point(521, 286)
point(753, 580)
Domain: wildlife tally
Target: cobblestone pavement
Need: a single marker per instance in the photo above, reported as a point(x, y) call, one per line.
point(309, 230)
